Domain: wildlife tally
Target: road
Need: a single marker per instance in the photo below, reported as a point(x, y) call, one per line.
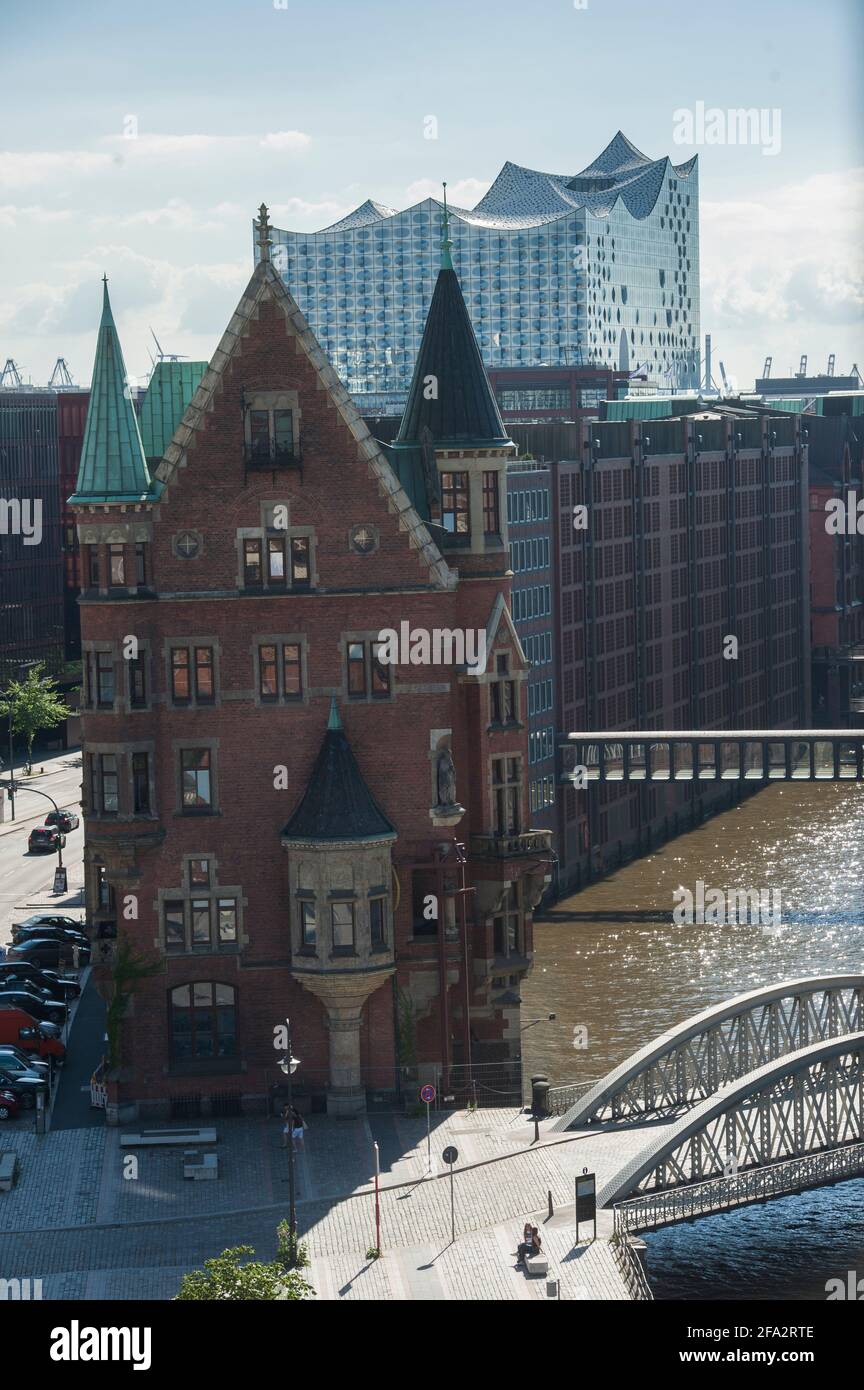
point(26, 880)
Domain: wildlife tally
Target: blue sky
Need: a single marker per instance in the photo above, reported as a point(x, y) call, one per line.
point(315, 106)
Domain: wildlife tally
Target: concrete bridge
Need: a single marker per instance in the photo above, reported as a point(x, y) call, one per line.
point(751, 1099)
point(713, 755)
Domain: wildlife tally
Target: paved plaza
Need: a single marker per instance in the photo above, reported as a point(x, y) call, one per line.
point(89, 1231)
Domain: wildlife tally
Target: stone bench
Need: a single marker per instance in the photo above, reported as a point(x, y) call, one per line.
point(200, 1167)
point(536, 1265)
point(8, 1171)
point(149, 1137)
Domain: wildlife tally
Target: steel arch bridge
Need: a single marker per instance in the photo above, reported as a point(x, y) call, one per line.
point(728, 1041)
point(807, 1105)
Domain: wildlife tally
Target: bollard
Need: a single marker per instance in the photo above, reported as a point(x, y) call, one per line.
point(540, 1095)
point(549, 1197)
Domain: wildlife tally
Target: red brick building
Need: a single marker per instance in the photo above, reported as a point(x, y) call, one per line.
point(286, 821)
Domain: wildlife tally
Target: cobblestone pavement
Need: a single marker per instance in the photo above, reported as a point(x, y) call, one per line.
point(76, 1222)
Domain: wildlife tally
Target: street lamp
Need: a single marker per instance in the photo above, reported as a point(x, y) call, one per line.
point(289, 1065)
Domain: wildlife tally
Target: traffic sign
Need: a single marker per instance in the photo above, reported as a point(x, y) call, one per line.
point(450, 1154)
point(427, 1094)
point(60, 881)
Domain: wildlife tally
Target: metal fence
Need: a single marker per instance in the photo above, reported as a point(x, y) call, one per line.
point(658, 1209)
point(630, 1268)
point(560, 1098)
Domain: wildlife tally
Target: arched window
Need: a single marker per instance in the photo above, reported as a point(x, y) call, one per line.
point(203, 1021)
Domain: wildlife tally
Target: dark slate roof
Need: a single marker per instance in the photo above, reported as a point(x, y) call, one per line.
point(337, 804)
point(465, 412)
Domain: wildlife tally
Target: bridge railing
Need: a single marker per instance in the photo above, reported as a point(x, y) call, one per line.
point(560, 1098)
point(630, 1268)
point(654, 1210)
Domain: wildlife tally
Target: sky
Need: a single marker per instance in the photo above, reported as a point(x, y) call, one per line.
point(138, 141)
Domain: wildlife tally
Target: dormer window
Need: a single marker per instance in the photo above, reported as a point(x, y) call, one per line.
point(455, 511)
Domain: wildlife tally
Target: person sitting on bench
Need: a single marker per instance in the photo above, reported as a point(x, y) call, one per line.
point(525, 1243)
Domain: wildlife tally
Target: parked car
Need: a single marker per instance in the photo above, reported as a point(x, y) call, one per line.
point(18, 974)
point(14, 1066)
point(63, 820)
point(52, 919)
point(46, 933)
point(25, 1089)
point(40, 1006)
point(8, 1105)
point(47, 951)
point(21, 1030)
point(45, 839)
point(27, 1059)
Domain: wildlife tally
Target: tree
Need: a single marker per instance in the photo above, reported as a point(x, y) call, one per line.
point(128, 969)
point(35, 705)
point(227, 1277)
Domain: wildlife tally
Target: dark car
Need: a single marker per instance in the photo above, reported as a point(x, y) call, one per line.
point(38, 1006)
point(13, 1066)
point(51, 919)
point(46, 933)
point(24, 1088)
point(63, 820)
point(8, 1105)
point(45, 839)
point(20, 975)
point(26, 1060)
point(47, 951)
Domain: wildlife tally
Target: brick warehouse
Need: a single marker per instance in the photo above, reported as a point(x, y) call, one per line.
point(278, 820)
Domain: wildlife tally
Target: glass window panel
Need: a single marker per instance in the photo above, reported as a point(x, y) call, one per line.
point(342, 917)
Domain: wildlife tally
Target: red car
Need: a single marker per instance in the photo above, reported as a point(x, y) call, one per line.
point(8, 1105)
point(63, 820)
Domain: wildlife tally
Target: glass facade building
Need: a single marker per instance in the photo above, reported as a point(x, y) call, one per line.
point(597, 268)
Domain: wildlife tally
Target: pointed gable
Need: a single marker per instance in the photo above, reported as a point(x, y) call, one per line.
point(337, 805)
point(113, 465)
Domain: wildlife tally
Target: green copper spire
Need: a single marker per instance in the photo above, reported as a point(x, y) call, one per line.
point(334, 722)
point(446, 243)
point(113, 467)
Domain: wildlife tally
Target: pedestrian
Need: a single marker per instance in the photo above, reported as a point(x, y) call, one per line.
point(293, 1125)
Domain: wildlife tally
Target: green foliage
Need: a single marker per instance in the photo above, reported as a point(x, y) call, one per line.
point(35, 705)
point(373, 1253)
point(128, 969)
point(292, 1255)
point(232, 1276)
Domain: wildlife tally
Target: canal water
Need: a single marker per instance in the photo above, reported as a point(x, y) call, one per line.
point(617, 971)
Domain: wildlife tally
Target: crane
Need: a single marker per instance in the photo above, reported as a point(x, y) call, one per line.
point(831, 358)
point(10, 375)
point(766, 370)
point(802, 369)
point(61, 375)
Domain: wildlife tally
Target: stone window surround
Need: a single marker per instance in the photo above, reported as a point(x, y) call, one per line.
point(169, 645)
point(181, 745)
point(89, 701)
point(270, 400)
point(263, 534)
point(361, 526)
point(185, 894)
point(123, 753)
point(145, 655)
point(264, 639)
point(362, 919)
point(491, 677)
point(178, 554)
point(100, 536)
point(493, 787)
point(478, 541)
point(363, 635)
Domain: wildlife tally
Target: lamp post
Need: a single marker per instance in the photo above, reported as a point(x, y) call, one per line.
point(289, 1065)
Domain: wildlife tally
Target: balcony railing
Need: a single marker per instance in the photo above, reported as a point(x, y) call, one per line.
point(528, 842)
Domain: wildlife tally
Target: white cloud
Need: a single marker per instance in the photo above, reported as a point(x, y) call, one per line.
point(24, 169)
point(285, 140)
point(466, 193)
point(10, 215)
point(322, 213)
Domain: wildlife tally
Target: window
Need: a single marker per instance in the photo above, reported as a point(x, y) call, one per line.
point(227, 922)
point(378, 922)
point(116, 566)
point(308, 926)
point(455, 513)
point(275, 657)
point(270, 436)
point(104, 784)
point(268, 678)
point(276, 560)
point(204, 688)
point(175, 929)
point(181, 688)
point(506, 784)
point(507, 926)
point(200, 917)
point(93, 566)
point(252, 572)
point(199, 873)
point(368, 676)
point(491, 510)
point(105, 680)
point(503, 693)
point(203, 1022)
point(140, 564)
point(137, 682)
point(141, 784)
point(342, 922)
point(196, 785)
point(300, 571)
